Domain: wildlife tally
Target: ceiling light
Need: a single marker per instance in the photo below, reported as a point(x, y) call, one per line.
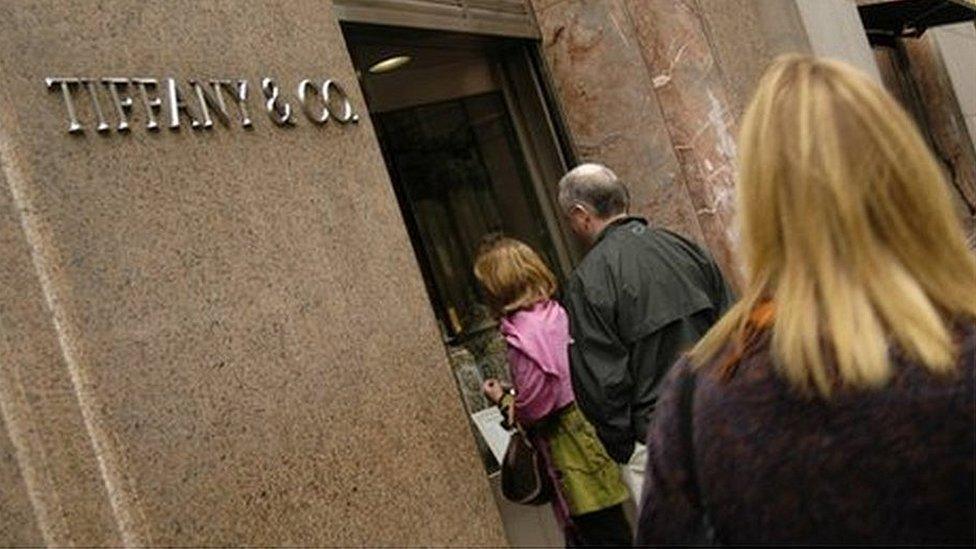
point(389, 64)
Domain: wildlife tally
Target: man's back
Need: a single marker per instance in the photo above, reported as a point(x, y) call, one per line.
point(640, 298)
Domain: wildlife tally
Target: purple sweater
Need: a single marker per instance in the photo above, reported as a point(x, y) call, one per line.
point(893, 466)
point(538, 356)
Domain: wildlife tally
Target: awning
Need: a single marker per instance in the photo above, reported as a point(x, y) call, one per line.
point(886, 21)
point(512, 18)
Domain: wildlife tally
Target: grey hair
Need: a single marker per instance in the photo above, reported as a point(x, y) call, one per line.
point(596, 187)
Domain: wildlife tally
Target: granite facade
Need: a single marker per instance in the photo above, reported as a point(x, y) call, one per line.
point(213, 337)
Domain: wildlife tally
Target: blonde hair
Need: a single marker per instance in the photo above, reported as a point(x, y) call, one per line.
point(512, 274)
point(847, 225)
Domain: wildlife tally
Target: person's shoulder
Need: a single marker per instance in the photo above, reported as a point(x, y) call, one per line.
point(965, 334)
point(637, 239)
point(686, 366)
point(590, 282)
point(682, 368)
point(539, 313)
point(673, 236)
point(964, 338)
point(626, 233)
point(679, 241)
point(911, 373)
point(593, 266)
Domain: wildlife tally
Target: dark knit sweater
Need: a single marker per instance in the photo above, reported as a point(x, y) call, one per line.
point(893, 466)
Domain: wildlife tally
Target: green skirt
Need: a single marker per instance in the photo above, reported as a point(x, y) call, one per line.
point(588, 478)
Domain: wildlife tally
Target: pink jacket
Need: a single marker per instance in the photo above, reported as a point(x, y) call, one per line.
point(538, 358)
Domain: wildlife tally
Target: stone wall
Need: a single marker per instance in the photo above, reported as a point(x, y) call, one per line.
point(213, 337)
point(746, 35)
point(957, 43)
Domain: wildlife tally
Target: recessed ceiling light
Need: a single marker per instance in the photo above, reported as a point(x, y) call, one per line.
point(389, 64)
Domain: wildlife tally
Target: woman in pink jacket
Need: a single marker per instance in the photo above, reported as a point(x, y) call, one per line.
point(589, 491)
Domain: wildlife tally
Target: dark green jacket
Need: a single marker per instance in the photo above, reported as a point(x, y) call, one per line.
point(639, 298)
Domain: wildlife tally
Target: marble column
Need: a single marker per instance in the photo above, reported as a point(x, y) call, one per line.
point(642, 92)
point(609, 104)
point(695, 103)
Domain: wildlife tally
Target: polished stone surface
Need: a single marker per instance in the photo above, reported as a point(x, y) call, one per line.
point(697, 113)
point(610, 107)
point(213, 337)
point(642, 91)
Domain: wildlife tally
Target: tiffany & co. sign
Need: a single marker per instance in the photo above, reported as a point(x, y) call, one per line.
point(165, 102)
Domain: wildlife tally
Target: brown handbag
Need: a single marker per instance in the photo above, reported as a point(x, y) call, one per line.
point(525, 479)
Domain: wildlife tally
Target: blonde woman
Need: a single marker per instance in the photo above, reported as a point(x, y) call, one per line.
point(589, 491)
point(835, 402)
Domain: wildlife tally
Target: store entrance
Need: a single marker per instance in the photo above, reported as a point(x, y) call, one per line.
point(471, 148)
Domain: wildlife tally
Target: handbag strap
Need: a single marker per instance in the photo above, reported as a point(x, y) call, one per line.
point(688, 385)
point(509, 420)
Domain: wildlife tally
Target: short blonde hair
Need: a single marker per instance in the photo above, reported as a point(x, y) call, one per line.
point(847, 226)
point(512, 274)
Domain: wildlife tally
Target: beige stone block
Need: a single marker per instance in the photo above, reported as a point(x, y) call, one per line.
point(227, 328)
point(957, 44)
point(746, 35)
point(834, 29)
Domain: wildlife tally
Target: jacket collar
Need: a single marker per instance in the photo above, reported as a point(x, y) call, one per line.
point(618, 223)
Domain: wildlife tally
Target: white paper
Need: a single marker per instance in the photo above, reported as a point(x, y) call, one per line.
point(489, 425)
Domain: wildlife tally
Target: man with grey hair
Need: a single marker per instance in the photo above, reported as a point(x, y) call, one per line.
point(640, 297)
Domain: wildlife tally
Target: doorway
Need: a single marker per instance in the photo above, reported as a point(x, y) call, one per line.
point(472, 148)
